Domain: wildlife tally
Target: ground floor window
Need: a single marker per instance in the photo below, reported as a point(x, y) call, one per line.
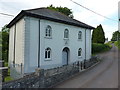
point(79, 52)
point(47, 53)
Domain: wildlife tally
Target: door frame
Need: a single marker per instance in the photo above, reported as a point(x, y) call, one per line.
point(67, 50)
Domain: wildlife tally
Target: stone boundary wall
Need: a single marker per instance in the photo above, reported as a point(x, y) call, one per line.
point(50, 77)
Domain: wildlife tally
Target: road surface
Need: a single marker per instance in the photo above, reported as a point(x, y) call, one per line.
point(103, 75)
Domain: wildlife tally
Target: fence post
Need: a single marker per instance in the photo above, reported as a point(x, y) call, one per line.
point(21, 68)
point(84, 64)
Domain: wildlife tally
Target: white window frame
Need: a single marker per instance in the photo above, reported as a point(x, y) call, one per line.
point(79, 35)
point(66, 34)
point(48, 32)
point(48, 53)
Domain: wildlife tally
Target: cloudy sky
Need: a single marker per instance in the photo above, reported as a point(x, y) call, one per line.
point(108, 8)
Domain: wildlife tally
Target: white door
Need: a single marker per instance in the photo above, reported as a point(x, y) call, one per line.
point(64, 57)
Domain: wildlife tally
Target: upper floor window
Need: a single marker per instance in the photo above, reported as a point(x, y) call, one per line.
point(79, 52)
point(66, 33)
point(79, 35)
point(48, 31)
point(47, 53)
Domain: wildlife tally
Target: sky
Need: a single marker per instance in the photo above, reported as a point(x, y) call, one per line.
point(108, 8)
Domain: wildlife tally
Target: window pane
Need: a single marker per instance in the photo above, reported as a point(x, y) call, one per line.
point(45, 54)
point(48, 54)
point(79, 52)
point(48, 31)
point(66, 33)
point(80, 35)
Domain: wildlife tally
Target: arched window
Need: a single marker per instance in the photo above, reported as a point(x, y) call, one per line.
point(79, 52)
point(66, 33)
point(79, 35)
point(47, 53)
point(48, 32)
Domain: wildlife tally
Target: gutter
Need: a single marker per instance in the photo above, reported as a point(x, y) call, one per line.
point(14, 45)
point(39, 44)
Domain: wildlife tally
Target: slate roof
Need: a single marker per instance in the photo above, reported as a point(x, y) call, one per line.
point(44, 13)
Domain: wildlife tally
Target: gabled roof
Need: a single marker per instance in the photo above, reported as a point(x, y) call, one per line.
point(44, 13)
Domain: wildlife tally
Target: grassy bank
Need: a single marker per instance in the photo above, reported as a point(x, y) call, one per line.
point(98, 48)
point(7, 78)
point(117, 43)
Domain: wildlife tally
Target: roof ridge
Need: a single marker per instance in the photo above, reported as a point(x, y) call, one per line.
point(47, 9)
point(35, 8)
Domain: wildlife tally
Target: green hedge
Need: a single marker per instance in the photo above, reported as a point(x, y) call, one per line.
point(97, 48)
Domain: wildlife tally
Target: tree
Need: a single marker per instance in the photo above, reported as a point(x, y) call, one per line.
point(63, 10)
point(98, 35)
point(115, 36)
point(5, 43)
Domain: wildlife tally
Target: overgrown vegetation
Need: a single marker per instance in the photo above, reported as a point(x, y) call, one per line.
point(8, 78)
point(63, 10)
point(110, 43)
point(98, 48)
point(117, 43)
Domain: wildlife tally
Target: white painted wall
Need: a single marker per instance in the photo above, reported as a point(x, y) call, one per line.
point(19, 44)
point(57, 43)
point(27, 43)
point(32, 28)
point(17, 37)
point(88, 44)
point(11, 45)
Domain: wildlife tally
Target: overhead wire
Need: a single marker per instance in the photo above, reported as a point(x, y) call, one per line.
point(7, 14)
point(93, 11)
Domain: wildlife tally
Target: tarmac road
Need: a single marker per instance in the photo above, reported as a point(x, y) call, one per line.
point(103, 75)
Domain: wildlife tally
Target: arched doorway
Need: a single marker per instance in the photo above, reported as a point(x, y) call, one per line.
point(65, 56)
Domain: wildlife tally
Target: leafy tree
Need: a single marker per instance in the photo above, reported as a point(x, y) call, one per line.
point(63, 10)
point(98, 35)
point(5, 42)
point(94, 35)
point(115, 36)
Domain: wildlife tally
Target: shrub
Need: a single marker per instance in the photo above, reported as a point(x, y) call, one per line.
point(97, 48)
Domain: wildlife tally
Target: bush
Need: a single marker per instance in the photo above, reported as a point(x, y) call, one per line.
point(117, 43)
point(97, 48)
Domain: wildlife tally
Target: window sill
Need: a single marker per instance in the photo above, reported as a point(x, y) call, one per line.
point(48, 37)
point(66, 38)
point(79, 57)
point(79, 39)
point(48, 59)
